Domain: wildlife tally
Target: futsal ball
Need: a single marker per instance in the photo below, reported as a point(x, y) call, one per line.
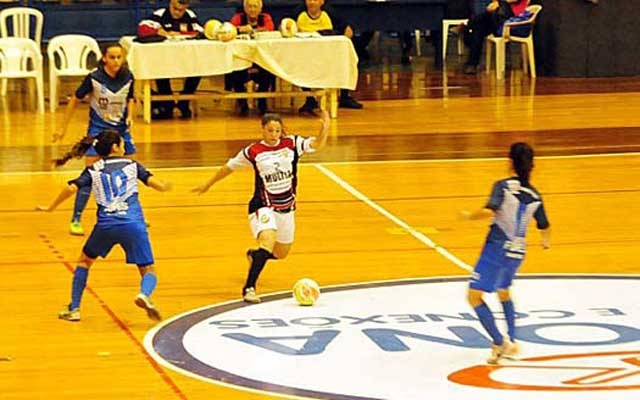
point(306, 291)
point(227, 32)
point(211, 29)
point(288, 27)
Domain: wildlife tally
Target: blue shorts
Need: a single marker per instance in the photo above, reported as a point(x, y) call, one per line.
point(132, 237)
point(494, 270)
point(129, 145)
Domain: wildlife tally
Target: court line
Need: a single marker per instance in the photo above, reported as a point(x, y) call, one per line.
point(413, 232)
point(117, 320)
point(74, 172)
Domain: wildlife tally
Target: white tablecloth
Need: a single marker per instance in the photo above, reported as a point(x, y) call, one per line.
point(180, 59)
point(319, 62)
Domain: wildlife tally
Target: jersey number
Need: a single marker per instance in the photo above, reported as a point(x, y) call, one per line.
point(114, 184)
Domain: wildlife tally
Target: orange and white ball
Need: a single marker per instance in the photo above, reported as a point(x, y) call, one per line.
point(306, 292)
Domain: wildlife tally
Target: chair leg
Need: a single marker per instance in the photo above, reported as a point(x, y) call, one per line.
point(500, 56)
point(4, 87)
point(445, 35)
point(460, 44)
point(418, 46)
point(532, 58)
point(53, 93)
point(488, 44)
point(40, 93)
point(525, 58)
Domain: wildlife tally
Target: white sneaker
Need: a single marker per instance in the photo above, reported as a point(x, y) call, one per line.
point(145, 303)
point(250, 296)
point(70, 315)
point(511, 350)
point(507, 349)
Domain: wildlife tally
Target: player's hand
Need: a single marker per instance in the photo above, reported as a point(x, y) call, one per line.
point(42, 208)
point(464, 215)
point(546, 244)
point(129, 122)
point(57, 136)
point(200, 189)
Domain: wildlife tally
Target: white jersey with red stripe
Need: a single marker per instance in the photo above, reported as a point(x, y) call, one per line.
point(276, 171)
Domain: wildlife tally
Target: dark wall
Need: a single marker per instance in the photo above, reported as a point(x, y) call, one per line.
point(575, 38)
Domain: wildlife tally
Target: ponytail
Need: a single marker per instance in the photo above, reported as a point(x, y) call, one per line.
point(521, 155)
point(77, 151)
point(103, 143)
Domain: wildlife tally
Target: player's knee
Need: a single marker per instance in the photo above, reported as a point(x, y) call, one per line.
point(474, 297)
point(504, 294)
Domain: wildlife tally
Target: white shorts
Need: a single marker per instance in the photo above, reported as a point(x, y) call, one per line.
point(283, 223)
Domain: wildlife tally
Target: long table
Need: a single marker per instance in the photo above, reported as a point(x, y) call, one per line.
point(328, 62)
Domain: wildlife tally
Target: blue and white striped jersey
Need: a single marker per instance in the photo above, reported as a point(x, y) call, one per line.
point(114, 183)
point(514, 206)
point(109, 97)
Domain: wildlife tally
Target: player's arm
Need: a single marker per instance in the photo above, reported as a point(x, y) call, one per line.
point(321, 139)
point(67, 192)
point(68, 114)
point(222, 173)
point(482, 213)
point(159, 185)
point(545, 238)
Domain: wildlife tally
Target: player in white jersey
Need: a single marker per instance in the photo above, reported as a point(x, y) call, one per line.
point(274, 160)
point(114, 182)
point(513, 203)
point(110, 91)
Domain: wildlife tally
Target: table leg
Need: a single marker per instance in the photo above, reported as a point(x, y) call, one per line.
point(333, 103)
point(146, 100)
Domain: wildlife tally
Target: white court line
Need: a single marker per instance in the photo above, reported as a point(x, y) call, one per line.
point(415, 233)
point(431, 161)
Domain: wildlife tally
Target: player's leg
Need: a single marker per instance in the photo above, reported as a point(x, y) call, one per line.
point(264, 228)
point(134, 239)
point(483, 280)
point(504, 294)
point(98, 244)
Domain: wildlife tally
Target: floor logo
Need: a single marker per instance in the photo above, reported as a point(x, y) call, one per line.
point(402, 339)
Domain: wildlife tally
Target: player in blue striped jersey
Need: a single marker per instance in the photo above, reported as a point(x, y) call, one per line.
point(111, 95)
point(513, 204)
point(274, 160)
point(114, 181)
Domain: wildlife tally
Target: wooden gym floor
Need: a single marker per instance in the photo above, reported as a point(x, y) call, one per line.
point(426, 145)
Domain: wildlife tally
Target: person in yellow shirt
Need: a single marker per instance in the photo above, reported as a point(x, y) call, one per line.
point(316, 18)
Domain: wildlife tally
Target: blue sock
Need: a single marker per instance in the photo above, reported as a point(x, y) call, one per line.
point(148, 283)
point(82, 197)
point(77, 287)
point(510, 315)
point(489, 323)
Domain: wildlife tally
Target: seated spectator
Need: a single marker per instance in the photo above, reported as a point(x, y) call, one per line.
point(487, 23)
point(177, 19)
point(248, 20)
point(315, 18)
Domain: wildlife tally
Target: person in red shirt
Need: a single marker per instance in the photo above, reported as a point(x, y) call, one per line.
point(274, 160)
point(487, 23)
point(249, 20)
point(175, 20)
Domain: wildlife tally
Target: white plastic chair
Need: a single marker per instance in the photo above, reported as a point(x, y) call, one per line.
point(21, 20)
point(21, 58)
point(69, 55)
point(446, 25)
point(527, 50)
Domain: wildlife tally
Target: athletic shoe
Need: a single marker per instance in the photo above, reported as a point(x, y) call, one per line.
point(507, 349)
point(70, 315)
point(250, 296)
point(144, 302)
point(75, 228)
point(511, 350)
